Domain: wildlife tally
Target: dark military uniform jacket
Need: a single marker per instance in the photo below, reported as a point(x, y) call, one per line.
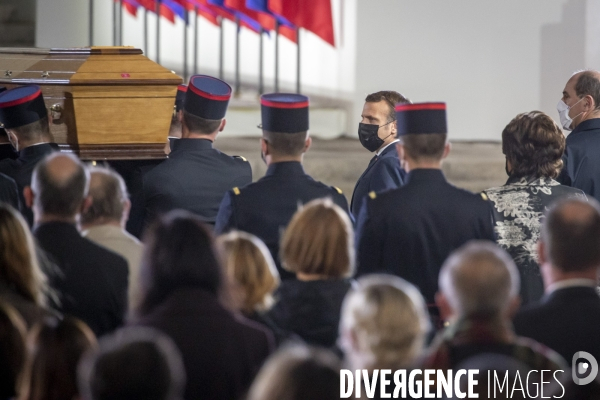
point(383, 173)
point(7, 151)
point(8, 191)
point(264, 208)
point(195, 178)
point(21, 169)
point(410, 231)
point(581, 159)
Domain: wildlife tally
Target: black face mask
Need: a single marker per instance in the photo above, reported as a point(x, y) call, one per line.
point(367, 134)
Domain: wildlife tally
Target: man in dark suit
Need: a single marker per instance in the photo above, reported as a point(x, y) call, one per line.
point(411, 230)
point(25, 118)
point(377, 133)
point(566, 318)
point(196, 176)
point(8, 192)
point(264, 208)
point(91, 281)
point(579, 110)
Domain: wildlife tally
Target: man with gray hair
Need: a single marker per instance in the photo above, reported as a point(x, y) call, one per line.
point(566, 319)
point(579, 110)
point(479, 293)
point(104, 222)
point(91, 281)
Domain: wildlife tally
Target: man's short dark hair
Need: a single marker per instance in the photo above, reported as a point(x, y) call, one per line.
point(109, 194)
point(424, 147)
point(201, 125)
point(286, 144)
point(589, 84)
point(133, 363)
point(571, 235)
point(391, 98)
point(534, 145)
point(34, 131)
point(64, 197)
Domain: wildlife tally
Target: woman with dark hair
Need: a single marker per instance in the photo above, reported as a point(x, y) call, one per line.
point(22, 284)
point(533, 145)
point(182, 292)
point(13, 353)
point(56, 348)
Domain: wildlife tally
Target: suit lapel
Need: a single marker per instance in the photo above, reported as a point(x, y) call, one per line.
point(371, 163)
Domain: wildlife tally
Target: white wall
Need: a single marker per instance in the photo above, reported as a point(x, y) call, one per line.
point(489, 60)
point(324, 69)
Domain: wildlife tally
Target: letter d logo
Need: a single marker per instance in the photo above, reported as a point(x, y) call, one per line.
point(584, 367)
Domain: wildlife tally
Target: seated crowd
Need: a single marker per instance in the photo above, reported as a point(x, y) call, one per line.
point(424, 276)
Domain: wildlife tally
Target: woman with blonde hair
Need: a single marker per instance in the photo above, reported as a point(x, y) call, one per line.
point(384, 323)
point(317, 246)
point(22, 283)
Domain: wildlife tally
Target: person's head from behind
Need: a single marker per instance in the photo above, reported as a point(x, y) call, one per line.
point(13, 353)
point(533, 145)
point(298, 373)
point(19, 268)
point(479, 280)
point(423, 135)
point(56, 348)
point(377, 127)
point(384, 323)
point(284, 126)
point(109, 199)
point(204, 107)
point(59, 188)
point(133, 363)
point(580, 100)
point(570, 241)
point(250, 271)
point(318, 242)
point(179, 253)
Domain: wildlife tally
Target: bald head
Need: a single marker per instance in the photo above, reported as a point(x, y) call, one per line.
point(587, 83)
point(571, 235)
point(479, 279)
point(60, 184)
point(109, 197)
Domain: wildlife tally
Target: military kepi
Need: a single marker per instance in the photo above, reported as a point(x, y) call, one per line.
point(284, 112)
point(421, 118)
point(21, 106)
point(207, 97)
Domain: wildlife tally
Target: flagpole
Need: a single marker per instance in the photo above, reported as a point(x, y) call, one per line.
point(276, 56)
point(298, 60)
point(146, 31)
point(185, 46)
point(158, 31)
point(120, 22)
point(115, 23)
point(237, 56)
point(196, 40)
point(221, 55)
point(261, 85)
point(91, 23)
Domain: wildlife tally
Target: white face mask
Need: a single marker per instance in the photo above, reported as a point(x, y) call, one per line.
point(563, 113)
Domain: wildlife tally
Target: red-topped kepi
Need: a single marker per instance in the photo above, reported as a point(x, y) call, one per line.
point(21, 106)
point(284, 112)
point(180, 97)
point(421, 118)
point(207, 97)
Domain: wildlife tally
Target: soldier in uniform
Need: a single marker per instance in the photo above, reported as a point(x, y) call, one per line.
point(6, 149)
point(25, 119)
point(264, 208)
point(196, 176)
point(377, 133)
point(175, 128)
point(8, 192)
point(411, 230)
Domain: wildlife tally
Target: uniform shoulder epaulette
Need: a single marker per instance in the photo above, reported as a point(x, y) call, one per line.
point(372, 195)
point(484, 196)
point(236, 191)
point(337, 189)
point(241, 158)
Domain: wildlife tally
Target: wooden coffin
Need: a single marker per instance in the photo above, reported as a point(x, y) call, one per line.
point(107, 103)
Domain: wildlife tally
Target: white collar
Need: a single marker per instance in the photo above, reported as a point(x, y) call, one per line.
point(569, 283)
point(386, 146)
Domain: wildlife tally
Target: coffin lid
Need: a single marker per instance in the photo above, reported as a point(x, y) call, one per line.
point(82, 66)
